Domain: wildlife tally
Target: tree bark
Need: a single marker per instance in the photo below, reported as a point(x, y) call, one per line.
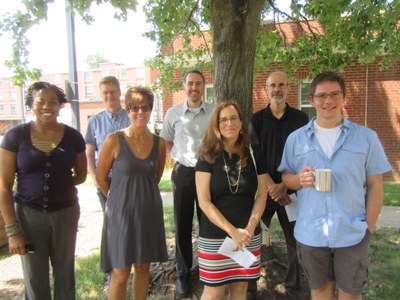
point(235, 26)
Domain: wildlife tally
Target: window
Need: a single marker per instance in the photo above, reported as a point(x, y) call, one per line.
point(304, 91)
point(123, 88)
point(13, 95)
point(13, 108)
point(122, 73)
point(1, 108)
point(88, 91)
point(88, 76)
point(139, 72)
point(56, 78)
point(209, 93)
point(1, 96)
point(105, 73)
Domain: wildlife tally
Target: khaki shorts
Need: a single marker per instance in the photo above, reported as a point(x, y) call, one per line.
point(347, 266)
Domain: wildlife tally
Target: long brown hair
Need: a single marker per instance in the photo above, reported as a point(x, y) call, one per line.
point(212, 145)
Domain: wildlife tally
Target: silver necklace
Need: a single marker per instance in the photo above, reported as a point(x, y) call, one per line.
point(140, 143)
point(233, 187)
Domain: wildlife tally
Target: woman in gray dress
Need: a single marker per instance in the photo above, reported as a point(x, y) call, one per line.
point(133, 229)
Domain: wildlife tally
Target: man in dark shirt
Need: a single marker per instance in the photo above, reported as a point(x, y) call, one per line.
point(269, 128)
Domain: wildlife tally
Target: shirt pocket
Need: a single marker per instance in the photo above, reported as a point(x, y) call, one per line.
point(304, 155)
point(355, 154)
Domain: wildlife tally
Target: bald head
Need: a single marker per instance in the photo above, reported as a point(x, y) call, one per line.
point(277, 87)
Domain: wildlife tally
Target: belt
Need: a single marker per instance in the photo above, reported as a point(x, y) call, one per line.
point(178, 163)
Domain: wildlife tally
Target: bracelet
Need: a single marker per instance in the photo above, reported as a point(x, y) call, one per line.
point(12, 229)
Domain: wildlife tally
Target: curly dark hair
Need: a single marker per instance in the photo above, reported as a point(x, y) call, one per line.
point(42, 85)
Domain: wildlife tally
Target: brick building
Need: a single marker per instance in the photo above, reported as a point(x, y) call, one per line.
point(373, 95)
point(12, 111)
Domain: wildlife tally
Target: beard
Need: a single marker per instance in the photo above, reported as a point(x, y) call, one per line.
point(277, 99)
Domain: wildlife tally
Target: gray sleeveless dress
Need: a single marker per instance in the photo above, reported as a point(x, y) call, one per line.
point(133, 228)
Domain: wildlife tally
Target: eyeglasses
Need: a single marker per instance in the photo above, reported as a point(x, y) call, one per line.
point(274, 85)
point(225, 120)
point(111, 93)
point(144, 108)
point(323, 97)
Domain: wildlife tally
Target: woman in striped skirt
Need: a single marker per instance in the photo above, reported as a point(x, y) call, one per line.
point(231, 187)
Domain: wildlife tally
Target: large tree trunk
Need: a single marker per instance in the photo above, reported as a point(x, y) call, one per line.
point(235, 26)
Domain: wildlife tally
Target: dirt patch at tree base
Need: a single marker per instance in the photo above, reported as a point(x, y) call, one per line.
point(270, 285)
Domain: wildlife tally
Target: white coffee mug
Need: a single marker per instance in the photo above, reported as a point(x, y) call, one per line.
point(322, 179)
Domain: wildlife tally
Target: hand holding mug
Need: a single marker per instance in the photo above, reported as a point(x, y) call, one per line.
point(306, 177)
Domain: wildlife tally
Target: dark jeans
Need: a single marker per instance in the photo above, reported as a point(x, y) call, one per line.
point(102, 199)
point(185, 198)
point(293, 276)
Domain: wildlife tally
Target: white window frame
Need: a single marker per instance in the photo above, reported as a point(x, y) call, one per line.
point(88, 90)
point(207, 97)
point(88, 76)
point(122, 73)
point(304, 102)
point(139, 72)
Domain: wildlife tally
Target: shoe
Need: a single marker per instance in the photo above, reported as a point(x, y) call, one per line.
point(182, 285)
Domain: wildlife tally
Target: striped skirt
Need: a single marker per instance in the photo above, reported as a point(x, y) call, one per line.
point(217, 269)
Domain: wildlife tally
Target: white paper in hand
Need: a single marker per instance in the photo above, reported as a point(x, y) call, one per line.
point(291, 209)
point(243, 257)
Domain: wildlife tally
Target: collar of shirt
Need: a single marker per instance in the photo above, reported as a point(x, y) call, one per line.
point(310, 126)
point(284, 116)
point(186, 108)
point(115, 116)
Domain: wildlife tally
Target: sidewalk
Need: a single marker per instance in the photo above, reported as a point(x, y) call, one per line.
point(389, 217)
point(89, 237)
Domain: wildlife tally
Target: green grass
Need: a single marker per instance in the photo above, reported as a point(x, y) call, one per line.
point(89, 281)
point(165, 184)
point(384, 276)
point(391, 193)
point(169, 221)
point(391, 189)
point(383, 282)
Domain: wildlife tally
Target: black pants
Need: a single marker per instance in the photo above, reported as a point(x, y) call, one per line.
point(293, 276)
point(294, 271)
point(185, 198)
point(102, 199)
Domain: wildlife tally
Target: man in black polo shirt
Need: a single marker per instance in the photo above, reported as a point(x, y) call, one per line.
point(269, 128)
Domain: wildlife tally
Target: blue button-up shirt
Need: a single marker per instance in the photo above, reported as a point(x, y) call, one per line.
point(336, 218)
point(102, 124)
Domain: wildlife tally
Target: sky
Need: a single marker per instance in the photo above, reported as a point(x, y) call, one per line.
point(118, 41)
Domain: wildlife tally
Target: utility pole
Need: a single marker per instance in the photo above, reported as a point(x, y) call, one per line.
point(72, 85)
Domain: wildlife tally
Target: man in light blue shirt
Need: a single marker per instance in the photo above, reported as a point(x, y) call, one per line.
point(183, 128)
point(113, 118)
point(333, 228)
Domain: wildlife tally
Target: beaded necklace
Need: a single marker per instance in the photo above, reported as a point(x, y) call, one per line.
point(233, 187)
